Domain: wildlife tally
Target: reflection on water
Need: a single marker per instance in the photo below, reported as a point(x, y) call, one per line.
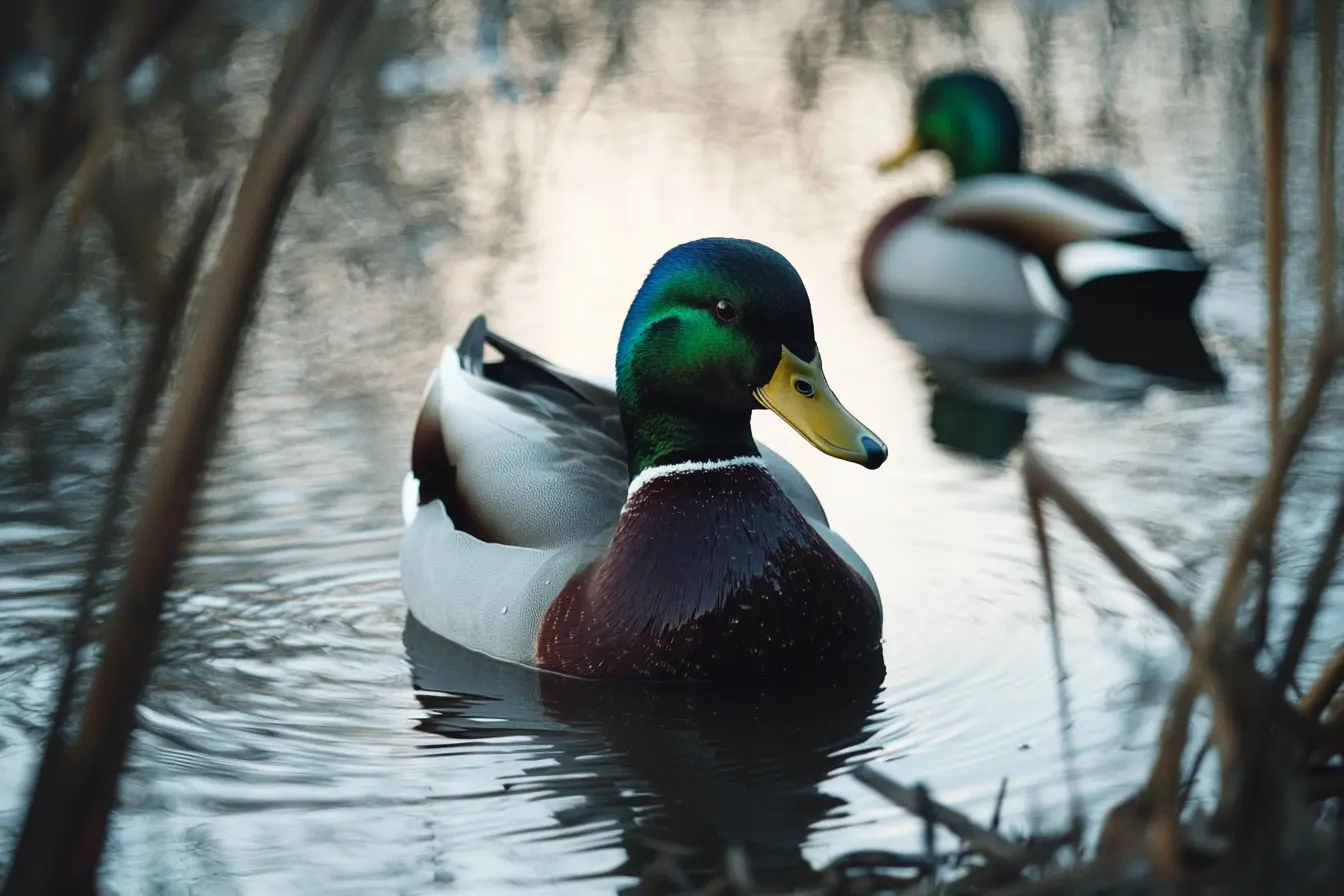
point(963, 420)
point(693, 769)
point(532, 161)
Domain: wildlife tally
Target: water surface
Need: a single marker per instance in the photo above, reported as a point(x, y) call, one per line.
point(301, 735)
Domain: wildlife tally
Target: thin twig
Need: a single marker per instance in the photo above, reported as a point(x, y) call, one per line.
point(1035, 503)
point(924, 803)
point(1327, 684)
point(998, 805)
point(1332, 735)
point(1327, 111)
point(59, 145)
point(983, 840)
point(1260, 620)
point(1269, 493)
point(135, 221)
point(1317, 582)
point(36, 271)
point(1164, 781)
point(72, 140)
point(1039, 477)
point(1276, 65)
point(1192, 776)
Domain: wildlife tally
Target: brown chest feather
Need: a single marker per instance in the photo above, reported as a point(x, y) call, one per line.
point(713, 575)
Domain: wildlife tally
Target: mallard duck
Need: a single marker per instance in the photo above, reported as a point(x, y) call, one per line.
point(1067, 278)
point(640, 532)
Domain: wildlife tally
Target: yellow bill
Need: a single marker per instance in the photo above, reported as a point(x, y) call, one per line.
point(897, 159)
point(799, 393)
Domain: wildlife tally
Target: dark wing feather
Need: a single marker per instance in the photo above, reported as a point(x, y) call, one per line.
point(529, 372)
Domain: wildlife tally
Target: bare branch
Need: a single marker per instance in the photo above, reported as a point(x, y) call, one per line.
point(1035, 503)
point(29, 288)
point(1269, 493)
point(981, 839)
point(1327, 684)
point(1317, 582)
point(1044, 481)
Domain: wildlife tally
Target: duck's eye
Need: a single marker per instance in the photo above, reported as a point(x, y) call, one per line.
point(803, 387)
point(725, 310)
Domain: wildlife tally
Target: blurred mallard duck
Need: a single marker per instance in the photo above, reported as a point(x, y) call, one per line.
point(640, 532)
point(1067, 278)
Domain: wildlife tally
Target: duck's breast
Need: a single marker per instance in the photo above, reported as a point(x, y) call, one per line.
point(713, 574)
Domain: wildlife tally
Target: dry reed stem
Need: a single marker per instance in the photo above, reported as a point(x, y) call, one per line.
point(978, 838)
point(1276, 235)
point(1035, 502)
point(48, 804)
point(1327, 111)
point(1324, 688)
point(135, 228)
point(1318, 696)
point(90, 173)
point(1276, 64)
point(70, 139)
point(37, 269)
point(1216, 666)
point(998, 805)
point(313, 61)
point(1041, 479)
point(1214, 635)
point(39, 243)
point(1164, 781)
point(1317, 581)
point(1332, 737)
point(1269, 493)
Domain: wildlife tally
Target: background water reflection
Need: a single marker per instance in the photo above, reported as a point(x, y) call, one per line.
point(531, 161)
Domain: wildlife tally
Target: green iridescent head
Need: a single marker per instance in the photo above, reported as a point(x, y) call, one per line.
point(968, 117)
point(720, 328)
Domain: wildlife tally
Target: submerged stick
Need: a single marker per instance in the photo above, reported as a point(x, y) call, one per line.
point(314, 57)
point(998, 805)
point(908, 798)
point(1045, 482)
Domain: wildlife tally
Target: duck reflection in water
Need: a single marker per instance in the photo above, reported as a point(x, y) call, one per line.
point(965, 422)
point(684, 770)
point(985, 413)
